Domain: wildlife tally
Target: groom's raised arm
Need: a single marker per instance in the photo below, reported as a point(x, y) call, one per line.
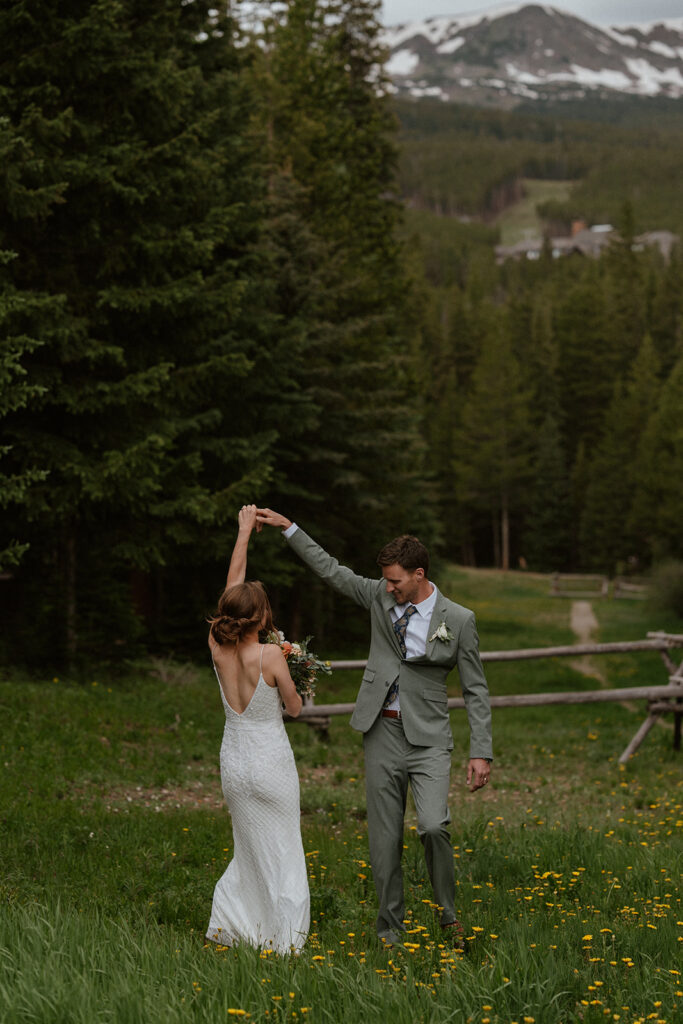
point(339, 577)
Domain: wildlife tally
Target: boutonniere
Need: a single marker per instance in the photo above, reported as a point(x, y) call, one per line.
point(442, 632)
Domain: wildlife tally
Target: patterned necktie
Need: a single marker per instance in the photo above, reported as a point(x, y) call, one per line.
point(400, 627)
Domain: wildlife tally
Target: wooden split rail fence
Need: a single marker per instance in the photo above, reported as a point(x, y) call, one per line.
point(581, 585)
point(661, 699)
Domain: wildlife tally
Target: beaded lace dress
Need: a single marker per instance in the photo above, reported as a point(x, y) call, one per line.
point(262, 899)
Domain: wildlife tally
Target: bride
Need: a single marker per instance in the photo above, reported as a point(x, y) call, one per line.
point(262, 899)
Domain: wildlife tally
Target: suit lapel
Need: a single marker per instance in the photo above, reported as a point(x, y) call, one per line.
point(387, 604)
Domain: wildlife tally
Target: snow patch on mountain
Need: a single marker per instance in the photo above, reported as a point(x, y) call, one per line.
point(403, 62)
point(440, 28)
point(650, 79)
point(620, 37)
point(451, 45)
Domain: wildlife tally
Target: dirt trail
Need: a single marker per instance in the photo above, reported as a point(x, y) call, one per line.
point(583, 624)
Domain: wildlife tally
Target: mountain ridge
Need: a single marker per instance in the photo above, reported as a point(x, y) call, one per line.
point(522, 52)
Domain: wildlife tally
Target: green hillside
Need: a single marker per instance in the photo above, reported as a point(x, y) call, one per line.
point(467, 162)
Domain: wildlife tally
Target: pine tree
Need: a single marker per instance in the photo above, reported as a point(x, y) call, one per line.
point(667, 310)
point(493, 458)
point(129, 205)
point(17, 391)
point(442, 367)
point(547, 534)
point(355, 473)
point(624, 292)
point(655, 517)
point(587, 363)
point(605, 540)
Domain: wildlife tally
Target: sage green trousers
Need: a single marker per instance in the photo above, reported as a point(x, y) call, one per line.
point(391, 764)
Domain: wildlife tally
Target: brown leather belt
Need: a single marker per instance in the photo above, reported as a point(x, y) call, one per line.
point(389, 713)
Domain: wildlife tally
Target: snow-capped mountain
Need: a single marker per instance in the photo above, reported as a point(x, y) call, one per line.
point(520, 52)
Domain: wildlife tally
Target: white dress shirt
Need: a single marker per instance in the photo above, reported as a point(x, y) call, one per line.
point(418, 625)
point(416, 632)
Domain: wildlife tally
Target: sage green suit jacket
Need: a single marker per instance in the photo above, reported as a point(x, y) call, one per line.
point(422, 680)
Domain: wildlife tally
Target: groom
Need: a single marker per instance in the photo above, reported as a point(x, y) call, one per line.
point(417, 637)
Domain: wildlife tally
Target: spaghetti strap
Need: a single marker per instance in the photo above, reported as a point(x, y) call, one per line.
point(263, 647)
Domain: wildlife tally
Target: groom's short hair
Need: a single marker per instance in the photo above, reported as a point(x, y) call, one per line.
point(406, 551)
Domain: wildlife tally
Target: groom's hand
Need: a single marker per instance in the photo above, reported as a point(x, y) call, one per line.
point(267, 517)
point(478, 772)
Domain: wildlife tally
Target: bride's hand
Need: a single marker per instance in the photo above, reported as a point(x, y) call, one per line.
point(247, 519)
point(269, 518)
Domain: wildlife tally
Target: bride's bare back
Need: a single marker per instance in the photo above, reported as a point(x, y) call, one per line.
point(239, 667)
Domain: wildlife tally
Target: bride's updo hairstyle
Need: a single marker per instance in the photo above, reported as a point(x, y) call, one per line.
point(241, 608)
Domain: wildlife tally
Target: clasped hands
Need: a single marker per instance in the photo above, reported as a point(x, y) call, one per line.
point(252, 517)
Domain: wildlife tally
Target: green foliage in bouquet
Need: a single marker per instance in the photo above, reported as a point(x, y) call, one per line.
point(303, 665)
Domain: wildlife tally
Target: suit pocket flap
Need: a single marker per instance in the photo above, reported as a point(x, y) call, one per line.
point(368, 675)
point(437, 695)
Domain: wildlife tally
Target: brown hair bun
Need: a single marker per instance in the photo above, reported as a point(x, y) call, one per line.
point(241, 608)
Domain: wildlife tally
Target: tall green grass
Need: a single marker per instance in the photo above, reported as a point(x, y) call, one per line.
point(112, 836)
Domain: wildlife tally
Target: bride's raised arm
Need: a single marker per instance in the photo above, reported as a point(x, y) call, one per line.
point(238, 561)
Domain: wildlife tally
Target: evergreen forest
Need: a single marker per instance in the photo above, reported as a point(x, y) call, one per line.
point(233, 269)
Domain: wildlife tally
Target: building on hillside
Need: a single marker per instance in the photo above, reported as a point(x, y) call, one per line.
point(585, 241)
point(663, 240)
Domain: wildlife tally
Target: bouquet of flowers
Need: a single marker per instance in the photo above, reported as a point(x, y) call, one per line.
point(303, 665)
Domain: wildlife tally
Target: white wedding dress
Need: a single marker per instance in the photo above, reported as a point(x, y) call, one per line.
point(262, 898)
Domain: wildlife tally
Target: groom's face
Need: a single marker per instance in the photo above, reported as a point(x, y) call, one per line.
point(403, 584)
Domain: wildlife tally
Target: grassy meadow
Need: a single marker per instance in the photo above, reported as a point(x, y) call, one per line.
point(520, 221)
point(113, 834)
